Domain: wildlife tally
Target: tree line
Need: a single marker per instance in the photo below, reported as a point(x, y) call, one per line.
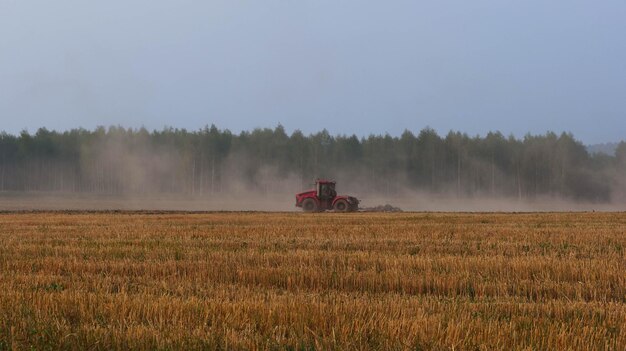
point(211, 161)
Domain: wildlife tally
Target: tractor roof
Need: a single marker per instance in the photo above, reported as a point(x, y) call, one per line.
point(326, 181)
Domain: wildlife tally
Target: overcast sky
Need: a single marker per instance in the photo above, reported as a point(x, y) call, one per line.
point(348, 66)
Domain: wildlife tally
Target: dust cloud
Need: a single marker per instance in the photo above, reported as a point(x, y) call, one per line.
point(120, 173)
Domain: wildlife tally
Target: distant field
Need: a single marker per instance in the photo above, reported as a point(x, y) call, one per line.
point(285, 202)
point(550, 281)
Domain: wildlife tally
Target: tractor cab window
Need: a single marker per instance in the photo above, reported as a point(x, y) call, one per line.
point(327, 191)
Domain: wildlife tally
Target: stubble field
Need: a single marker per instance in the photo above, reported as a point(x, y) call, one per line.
point(322, 281)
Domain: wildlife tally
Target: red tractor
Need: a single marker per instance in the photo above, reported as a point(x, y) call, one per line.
point(324, 197)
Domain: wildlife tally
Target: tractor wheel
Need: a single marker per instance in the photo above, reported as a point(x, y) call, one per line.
point(341, 206)
point(309, 205)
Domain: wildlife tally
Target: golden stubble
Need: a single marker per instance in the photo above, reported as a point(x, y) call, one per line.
point(322, 281)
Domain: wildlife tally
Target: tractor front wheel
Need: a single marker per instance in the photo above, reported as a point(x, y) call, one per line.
point(341, 206)
point(309, 205)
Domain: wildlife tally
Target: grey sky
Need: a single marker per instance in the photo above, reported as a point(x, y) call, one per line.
point(349, 66)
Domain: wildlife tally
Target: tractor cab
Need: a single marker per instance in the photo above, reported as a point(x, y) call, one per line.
point(326, 190)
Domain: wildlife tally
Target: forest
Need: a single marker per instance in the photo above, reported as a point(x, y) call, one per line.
point(209, 161)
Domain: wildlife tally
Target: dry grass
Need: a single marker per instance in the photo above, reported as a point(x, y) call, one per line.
point(324, 281)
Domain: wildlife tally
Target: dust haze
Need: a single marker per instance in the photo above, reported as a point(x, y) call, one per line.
point(122, 173)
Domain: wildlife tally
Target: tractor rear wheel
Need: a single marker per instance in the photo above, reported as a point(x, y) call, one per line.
point(341, 206)
point(309, 205)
